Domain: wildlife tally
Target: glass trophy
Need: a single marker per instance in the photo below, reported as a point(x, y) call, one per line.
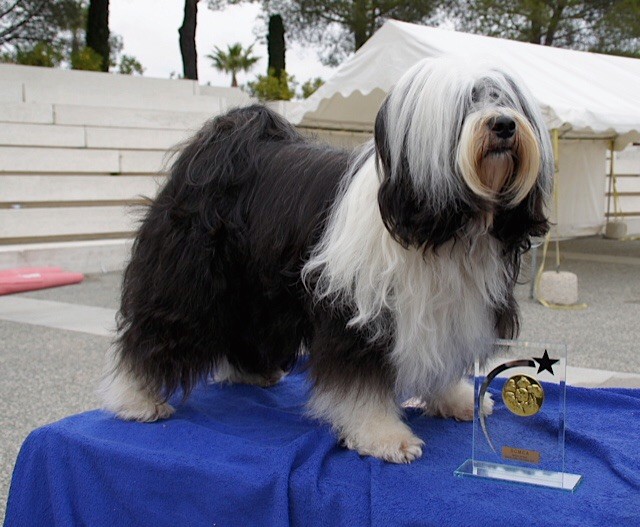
point(522, 439)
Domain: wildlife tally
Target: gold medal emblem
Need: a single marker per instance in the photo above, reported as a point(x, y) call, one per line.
point(523, 395)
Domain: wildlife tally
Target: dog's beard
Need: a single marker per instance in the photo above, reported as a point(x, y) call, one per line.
point(496, 168)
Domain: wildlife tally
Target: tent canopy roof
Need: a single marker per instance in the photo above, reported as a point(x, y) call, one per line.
point(581, 94)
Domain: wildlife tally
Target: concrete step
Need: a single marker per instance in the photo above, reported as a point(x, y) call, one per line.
point(25, 190)
point(26, 134)
point(81, 160)
point(31, 224)
point(95, 256)
point(20, 112)
point(138, 139)
point(58, 315)
point(132, 117)
point(11, 91)
point(80, 136)
point(61, 160)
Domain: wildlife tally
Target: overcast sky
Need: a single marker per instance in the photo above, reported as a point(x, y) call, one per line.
point(149, 29)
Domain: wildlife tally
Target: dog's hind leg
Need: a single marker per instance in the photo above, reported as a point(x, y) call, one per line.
point(125, 395)
point(174, 317)
point(353, 391)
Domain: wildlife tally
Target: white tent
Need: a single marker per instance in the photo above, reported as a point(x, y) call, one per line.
point(585, 96)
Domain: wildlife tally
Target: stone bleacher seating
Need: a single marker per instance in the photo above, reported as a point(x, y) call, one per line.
point(79, 150)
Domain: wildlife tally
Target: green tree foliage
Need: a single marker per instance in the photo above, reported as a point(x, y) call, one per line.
point(272, 88)
point(24, 23)
point(340, 27)
point(86, 59)
point(234, 60)
point(590, 25)
point(40, 54)
point(308, 88)
point(62, 42)
point(130, 66)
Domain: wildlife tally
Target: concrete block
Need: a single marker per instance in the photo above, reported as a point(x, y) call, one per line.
point(616, 230)
point(25, 189)
point(11, 91)
point(26, 113)
point(138, 139)
point(337, 138)
point(559, 288)
point(232, 97)
point(63, 160)
point(21, 224)
point(55, 84)
point(93, 256)
point(144, 161)
point(20, 134)
point(129, 118)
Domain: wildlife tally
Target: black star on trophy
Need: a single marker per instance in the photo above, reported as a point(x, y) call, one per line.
point(521, 439)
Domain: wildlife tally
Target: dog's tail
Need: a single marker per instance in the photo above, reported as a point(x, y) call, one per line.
point(174, 310)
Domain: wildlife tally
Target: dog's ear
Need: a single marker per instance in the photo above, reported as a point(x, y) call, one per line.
point(515, 226)
point(408, 216)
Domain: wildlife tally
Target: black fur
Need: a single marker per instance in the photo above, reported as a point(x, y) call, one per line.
point(215, 268)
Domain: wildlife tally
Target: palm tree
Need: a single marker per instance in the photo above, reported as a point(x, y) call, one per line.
point(235, 59)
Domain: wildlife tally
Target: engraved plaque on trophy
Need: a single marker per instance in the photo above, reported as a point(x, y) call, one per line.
point(522, 439)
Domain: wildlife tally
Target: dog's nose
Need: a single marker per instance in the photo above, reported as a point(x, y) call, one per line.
point(504, 127)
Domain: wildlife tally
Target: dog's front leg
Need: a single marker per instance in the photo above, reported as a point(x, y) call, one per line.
point(367, 422)
point(457, 402)
point(353, 390)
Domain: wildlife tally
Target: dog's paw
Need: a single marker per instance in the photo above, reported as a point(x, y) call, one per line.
point(396, 446)
point(487, 404)
point(457, 403)
point(123, 394)
point(145, 413)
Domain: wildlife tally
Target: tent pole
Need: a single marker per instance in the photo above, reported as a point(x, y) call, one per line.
point(610, 180)
point(556, 170)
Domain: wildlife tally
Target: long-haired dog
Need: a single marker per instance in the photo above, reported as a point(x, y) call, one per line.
point(393, 268)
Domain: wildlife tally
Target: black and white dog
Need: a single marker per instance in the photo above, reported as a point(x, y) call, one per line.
point(393, 268)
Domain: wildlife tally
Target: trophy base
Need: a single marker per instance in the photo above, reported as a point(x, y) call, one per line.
point(526, 476)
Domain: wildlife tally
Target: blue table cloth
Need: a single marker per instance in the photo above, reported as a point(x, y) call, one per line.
point(247, 456)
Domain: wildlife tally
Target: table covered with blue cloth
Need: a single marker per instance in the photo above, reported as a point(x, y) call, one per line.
point(248, 456)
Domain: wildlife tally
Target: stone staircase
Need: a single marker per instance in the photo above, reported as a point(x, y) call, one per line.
point(79, 150)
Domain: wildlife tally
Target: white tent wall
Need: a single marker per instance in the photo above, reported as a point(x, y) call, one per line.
point(579, 186)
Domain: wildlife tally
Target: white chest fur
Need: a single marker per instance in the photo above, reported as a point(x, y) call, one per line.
point(440, 303)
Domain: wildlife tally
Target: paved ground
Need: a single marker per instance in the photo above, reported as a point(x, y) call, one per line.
point(48, 373)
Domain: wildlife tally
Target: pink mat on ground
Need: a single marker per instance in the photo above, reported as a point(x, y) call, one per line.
point(32, 278)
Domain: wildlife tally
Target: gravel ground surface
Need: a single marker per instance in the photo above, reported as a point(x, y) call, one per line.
point(49, 373)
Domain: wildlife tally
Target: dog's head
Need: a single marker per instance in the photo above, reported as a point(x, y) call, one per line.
point(462, 148)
